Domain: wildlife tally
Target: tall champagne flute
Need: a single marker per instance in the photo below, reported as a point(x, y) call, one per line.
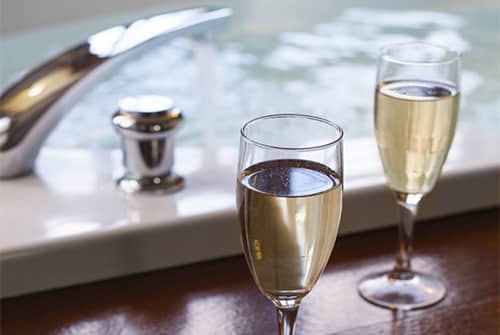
point(289, 198)
point(416, 107)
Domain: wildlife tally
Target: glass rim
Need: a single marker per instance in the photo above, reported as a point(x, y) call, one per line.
point(336, 139)
point(452, 55)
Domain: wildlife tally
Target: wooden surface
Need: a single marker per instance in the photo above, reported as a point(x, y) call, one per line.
point(220, 297)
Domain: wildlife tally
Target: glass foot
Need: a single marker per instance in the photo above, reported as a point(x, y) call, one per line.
point(418, 291)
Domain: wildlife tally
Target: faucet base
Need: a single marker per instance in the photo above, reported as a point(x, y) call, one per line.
point(168, 183)
point(17, 174)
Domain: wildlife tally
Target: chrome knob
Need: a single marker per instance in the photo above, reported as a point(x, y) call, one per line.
point(147, 125)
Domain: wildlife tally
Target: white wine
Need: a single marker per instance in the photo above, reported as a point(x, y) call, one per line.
point(289, 213)
point(414, 124)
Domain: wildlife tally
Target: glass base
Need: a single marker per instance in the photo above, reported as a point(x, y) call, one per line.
point(418, 291)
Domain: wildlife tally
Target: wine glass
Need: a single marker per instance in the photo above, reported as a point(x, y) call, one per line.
point(289, 199)
point(416, 107)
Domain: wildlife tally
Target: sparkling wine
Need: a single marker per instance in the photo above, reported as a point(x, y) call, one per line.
point(414, 124)
point(289, 213)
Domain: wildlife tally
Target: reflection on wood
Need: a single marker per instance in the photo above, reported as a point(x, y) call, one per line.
point(220, 297)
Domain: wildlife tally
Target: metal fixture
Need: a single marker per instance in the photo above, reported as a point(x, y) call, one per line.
point(147, 124)
point(32, 106)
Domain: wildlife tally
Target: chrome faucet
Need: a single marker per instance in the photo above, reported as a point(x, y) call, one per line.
point(32, 106)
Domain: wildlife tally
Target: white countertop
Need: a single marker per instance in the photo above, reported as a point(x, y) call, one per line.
point(68, 224)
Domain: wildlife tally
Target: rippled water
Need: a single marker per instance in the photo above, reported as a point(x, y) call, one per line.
point(324, 67)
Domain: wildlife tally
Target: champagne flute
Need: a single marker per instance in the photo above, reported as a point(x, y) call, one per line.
point(416, 107)
point(289, 198)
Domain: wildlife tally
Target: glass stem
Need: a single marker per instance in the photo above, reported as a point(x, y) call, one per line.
point(286, 320)
point(408, 207)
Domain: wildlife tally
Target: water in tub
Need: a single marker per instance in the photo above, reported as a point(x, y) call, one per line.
point(275, 57)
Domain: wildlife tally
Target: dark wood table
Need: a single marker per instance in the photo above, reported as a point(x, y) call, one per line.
point(219, 297)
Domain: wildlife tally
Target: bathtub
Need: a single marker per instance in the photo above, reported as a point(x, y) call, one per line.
point(67, 223)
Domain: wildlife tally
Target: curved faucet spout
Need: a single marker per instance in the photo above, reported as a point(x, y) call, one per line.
point(36, 102)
